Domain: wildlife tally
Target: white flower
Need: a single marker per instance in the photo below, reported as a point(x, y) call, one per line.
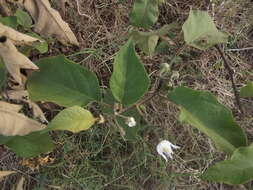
point(164, 148)
point(130, 121)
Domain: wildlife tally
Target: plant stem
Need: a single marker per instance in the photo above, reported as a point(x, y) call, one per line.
point(231, 76)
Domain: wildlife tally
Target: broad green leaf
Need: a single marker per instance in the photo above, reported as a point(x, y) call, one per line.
point(144, 13)
point(146, 41)
point(203, 111)
point(236, 170)
point(10, 21)
point(129, 80)
point(247, 91)
point(201, 32)
point(42, 47)
point(30, 145)
point(24, 18)
point(74, 119)
point(63, 82)
point(3, 73)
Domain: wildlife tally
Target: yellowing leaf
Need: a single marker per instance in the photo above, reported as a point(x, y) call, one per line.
point(15, 36)
point(73, 119)
point(48, 21)
point(13, 123)
point(13, 59)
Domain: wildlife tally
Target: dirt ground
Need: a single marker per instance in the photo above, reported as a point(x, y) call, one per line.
point(119, 165)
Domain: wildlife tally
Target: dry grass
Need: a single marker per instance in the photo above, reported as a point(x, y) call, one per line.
point(121, 165)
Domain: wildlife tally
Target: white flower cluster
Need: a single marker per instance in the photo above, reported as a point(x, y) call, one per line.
point(130, 121)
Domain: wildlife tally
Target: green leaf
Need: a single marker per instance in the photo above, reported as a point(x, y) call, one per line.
point(129, 80)
point(30, 145)
point(146, 41)
point(10, 21)
point(203, 111)
point(3, 73)
point(63, 82)
point(42, 47)
point(144, 13)
point(74, 119)
point(236, 170)
point(201, 32)
point(24, 18)
point(247, 91)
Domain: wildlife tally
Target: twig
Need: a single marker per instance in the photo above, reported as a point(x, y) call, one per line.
point(79, 11)
point(231, 76)
point(241, 49)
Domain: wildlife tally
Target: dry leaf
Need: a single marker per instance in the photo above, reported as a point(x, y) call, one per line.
point(15, 36)
point(48, 21)
point(4, 9)
point(35, 163)
point(37, 112)
point(13, 59)
point(13, 123)
point(22, 95)
point(11, 107)
point(5, 173)
point(18, 95)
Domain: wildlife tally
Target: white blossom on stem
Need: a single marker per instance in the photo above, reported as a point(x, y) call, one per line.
point(165, 149)
point(130, 121)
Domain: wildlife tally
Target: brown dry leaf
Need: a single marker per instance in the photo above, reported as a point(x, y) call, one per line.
point(13, 123)
point(11, 107)
point(15, 36)
point(37, 162)
point(18, 95)
point(37, 112)
point(13, 59)
point(22, 95)
point(48, 21)
point(5, 173)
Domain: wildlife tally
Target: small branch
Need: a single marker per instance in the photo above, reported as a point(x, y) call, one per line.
point(231, 76)
point(241, 49)
point(79, 10)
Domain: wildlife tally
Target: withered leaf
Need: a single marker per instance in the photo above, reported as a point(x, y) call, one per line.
point(15, 36)
point(11, 107)
point(13, 123)
point(13, 59)
point(48, 21)
point(23, 96)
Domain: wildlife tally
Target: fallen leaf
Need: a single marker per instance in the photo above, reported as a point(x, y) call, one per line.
point(13, 59)
point(18, 95)
point(37, 112)
point(11, 107)
point(22, 95)
point(48, 21)
point(15, 36)
point(37, 162)
point(5, 173)
point(13, 123)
